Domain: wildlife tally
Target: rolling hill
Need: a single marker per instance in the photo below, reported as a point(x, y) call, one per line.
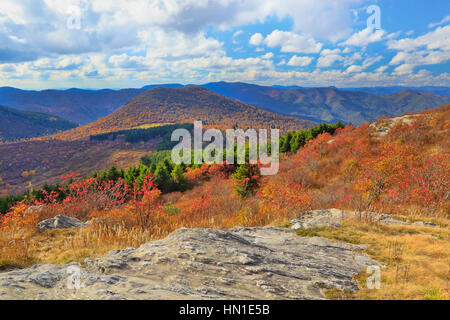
point(185, 105)
point(17, 124)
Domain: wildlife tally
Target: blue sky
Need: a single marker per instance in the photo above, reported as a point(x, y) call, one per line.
point(116, 44)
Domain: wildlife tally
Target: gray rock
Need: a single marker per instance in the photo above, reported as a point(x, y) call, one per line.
point(240, 263)
point(314, 219)
point(36, 209)
point(60, 222)
point(47, 279)
point(424, 224)
point(383, 127)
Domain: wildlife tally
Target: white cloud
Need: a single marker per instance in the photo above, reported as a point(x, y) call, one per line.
point(175, 45)
point(364, 37)
point(300, 61)
point(420, 57)
point(235, 35)
point(404, 69)
point(292, 42)
point(346, 50)
point(408, 61)
point(106, 26)
point(254, 70)
point(268, 55)
point(366, 63)
point(125, 61)
point(381, 69)
point(166, 41)
point(349, 60)
point(443, 21)
point(326, 52)
point(323, 19)
point(256, 39)
point(329, 57)
point(437, 39)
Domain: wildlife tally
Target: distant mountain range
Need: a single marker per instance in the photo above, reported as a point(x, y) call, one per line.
point(78, 105)
point(185, 105)
point(328, 104)
point(383, 91)
point(17, 124)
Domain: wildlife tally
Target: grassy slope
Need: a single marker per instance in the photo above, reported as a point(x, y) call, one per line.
point(416, 259)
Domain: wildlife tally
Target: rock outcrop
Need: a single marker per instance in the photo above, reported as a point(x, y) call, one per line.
point(60, 222)
point(240, 263)
point(383, 127)
point(333, 218)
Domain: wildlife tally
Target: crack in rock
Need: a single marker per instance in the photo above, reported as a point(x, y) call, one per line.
point(239, 263)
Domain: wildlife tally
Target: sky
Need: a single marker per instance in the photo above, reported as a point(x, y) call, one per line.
point(122, 44)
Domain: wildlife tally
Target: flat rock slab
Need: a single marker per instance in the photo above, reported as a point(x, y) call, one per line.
point(60, 222)
point(240, 263)
point(314, 219)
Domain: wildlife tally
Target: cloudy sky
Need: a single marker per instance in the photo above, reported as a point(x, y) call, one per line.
point(116, 43)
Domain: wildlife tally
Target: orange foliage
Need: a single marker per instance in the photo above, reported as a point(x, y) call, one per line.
point(408, 170)
point(19, 218)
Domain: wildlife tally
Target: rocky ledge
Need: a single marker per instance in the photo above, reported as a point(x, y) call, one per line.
point(334, 217)
point(241, 263)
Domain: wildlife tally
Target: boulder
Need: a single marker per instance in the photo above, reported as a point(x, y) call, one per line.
point(60, 222)
point(314, 219)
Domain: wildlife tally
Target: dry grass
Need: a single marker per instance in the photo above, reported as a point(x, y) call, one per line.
point(416, 260)
point(63, 246)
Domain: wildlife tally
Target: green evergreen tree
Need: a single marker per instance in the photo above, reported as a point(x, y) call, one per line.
point(247, 179)
point(177, 176)
point(162, 177)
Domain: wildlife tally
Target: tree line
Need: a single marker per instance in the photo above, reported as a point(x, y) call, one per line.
point(146, 134)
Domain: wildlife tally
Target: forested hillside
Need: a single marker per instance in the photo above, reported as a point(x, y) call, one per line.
point(17, 124)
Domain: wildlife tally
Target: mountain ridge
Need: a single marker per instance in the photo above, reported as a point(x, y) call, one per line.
point(186, 105)
point(354, 105)
point(17, 124)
